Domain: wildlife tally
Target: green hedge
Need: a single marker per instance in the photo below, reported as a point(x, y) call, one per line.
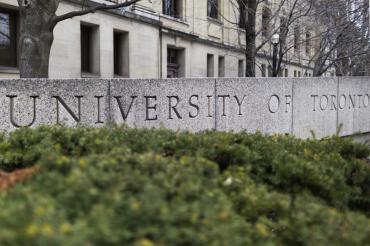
point(125, 186)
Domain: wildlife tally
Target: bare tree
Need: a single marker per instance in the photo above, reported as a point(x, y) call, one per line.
point(297, 11)
point(38, 19)
point(344, 39)
point(275, 19)
point(339, 37)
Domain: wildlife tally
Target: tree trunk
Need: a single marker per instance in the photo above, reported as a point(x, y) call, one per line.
point(319, 65)
point(35, 52)
point(250, 56)
point(36, 37)
point(250, 39)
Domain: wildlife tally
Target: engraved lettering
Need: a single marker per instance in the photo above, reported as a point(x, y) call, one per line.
point(274, 104)
point(353, 101)
point(192, 104)
point(173, 107)
point(99, 121)
point(342, 101)
point(224, 103)
point(239, 102)
point(76, 118)
point(314, 101)
point(359, 101)
point(121, 109)
point(11, 109)
point(209, 106)
point(324, 106)
point(333, 102)
point(367, 100)
point(288, 102)
point(148, 108)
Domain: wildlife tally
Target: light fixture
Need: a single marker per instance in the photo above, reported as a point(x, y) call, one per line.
point(275, 38)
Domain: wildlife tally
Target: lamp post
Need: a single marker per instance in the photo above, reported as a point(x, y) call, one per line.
point(275, 42)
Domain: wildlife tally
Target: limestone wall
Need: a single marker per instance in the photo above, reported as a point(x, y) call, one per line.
point(283, 105)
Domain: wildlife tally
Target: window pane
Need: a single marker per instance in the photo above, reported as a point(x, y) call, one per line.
point(172, 8)
point(210, 65)
point(266, 17)
point(8, 42)
point(4, 29)
point(213, 9)
point(86, 49)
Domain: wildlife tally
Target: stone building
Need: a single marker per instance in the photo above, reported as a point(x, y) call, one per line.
point(153, 39)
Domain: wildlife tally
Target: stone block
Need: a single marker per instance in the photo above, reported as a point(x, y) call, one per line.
point(254, 104)
point(35, 102)
point(186, 104)
point(315, 107)
point(281, 105)
point(354, 105)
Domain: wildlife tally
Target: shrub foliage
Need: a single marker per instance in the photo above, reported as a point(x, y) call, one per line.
point(121, 186)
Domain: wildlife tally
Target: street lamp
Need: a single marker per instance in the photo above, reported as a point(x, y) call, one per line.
point(275, 42)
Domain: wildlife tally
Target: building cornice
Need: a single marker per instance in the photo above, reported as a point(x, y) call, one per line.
point(122, 13)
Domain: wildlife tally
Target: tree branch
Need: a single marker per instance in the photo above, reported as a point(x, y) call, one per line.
point(92, 10)
point(4, 34)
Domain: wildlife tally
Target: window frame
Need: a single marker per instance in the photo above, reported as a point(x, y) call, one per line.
point(10, 51)
point(210, 65)
point(221, 66)
point(242, 22)
point(213, 9)
point(173, 8)
point(93, 50)
point(121, 54)
point(265, 22)
point(178, 63)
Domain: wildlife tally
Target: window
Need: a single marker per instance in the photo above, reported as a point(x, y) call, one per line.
point(210, 65)
point(242, 14)
point(121, 53)
point(212, 9)
point(241, 68)
point(266, 16)
point(299, 73)
point(280, 73)
point(263, 70)
point(172, 8)
point(221, 66)
point(308, 43)
point(284, 29)
point(296, 44)
point(175, 62)
point(286, 72)
point(295, 73)
point(8, 38)
point(90, 49)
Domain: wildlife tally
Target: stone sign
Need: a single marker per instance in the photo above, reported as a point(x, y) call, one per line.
point(303, 107)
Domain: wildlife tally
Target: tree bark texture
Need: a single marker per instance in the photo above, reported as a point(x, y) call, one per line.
point(38, 19)
point(36, 37)
point(250, 38)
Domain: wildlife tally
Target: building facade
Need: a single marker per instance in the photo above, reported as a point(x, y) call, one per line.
point(153, 39)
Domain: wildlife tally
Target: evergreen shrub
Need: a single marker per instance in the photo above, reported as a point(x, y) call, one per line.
point(121, 186)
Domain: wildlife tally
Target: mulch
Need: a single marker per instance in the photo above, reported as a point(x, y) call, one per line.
point(9, 179)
